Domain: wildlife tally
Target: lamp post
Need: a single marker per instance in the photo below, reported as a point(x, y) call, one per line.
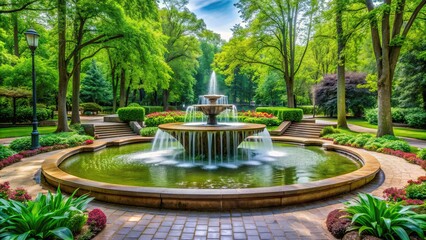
point(32, 40)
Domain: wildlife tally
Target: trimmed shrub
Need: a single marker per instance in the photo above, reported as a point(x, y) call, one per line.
point(337, 223)
point(5, 152)
point(360, 140)
point(328, 130)
point(148, 131)
point(134, 105)
point(69, 139)
point(417, 120)
point(308, 109)
point(128, 114)
point(26, 114)
point(422, 154)
point(267, 121)
point(91, 107)
point(283, 113)
point(21, 144)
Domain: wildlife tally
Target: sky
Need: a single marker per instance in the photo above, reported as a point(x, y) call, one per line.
point(219, 15)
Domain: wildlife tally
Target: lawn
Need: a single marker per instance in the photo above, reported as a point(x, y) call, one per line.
point(24, 131)
point(399, 131)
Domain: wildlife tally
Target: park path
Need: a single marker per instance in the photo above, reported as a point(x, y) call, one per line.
point(303, 221)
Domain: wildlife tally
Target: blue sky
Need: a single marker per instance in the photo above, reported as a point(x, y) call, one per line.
point(219, 15)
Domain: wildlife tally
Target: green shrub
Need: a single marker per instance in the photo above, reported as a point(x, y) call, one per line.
point(128, 114)
point(152, 109)
point(398, 115)
point(26, 114)
point(134, 105)
point(107, 109)
point(371, 116)
point(20, 144)
point(373, 216)
point(308, 109)
point(283, 113)
point(148, 131)
point(343, 139)
point(360, 140)
point(77, 128)
point(69, 138)
point(417, 120)
point(6, 114)
point(77, 221)
point(422, 154)
point(375, 143)
point(46, 217)
point(397, 145)
point(267, 121)
point(5, 152)
point(91, 107)
point(416, 191)
point(329, 130)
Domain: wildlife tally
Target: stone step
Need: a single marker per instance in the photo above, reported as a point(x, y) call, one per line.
point(113, 130)
point(116, 135)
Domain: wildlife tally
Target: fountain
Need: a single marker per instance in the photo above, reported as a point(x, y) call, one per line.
point(214, 164)
point(214, 143)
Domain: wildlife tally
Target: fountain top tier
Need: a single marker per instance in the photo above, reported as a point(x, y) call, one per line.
point(212, 109)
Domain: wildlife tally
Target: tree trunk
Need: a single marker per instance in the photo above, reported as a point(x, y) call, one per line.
point(62, 69)
point(166, 94)
point(424, 98)
point(75, 115)
point(384, 104)
point(290, 92)
point(114, 81)
point(123, 88)
point(15, 34)
point(341, 91)
point(128, 92)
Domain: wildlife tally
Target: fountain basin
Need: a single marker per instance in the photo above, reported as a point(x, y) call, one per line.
point(210, 199)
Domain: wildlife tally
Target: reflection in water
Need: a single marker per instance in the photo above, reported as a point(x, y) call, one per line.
point(119, 165)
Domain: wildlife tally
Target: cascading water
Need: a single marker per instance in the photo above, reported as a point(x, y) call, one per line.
point(212, 136)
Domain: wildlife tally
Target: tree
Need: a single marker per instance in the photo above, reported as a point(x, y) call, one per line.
point(387, 43)
point(94, 87)
point(183, 49)
point(357, 98)
point(277, 36)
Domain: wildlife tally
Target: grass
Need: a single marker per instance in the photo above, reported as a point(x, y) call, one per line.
point(24, 131)
point(398, 131)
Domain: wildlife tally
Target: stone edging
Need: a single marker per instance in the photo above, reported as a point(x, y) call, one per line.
point(210, 199)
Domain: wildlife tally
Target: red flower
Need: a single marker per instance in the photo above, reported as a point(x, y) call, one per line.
point(88, 142)
point(394, 194)
point(97, 220)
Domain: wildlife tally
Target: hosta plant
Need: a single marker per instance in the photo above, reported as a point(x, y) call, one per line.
point(46, 217)
point(373, 216)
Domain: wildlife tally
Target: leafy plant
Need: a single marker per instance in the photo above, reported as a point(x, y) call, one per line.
point(148, 131)
point(416, 191)
point(283, 113)
point(373, 216)
point(45, 217)
point(97, 220)
point(337, 223)
point(5, 152)
point(422, 154)
point(417, 120)
point(329, 130)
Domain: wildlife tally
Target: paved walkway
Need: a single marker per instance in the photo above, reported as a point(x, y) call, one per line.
point(304, 221)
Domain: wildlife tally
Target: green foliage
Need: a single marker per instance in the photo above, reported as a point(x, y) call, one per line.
point(45, 217)
point(76, 221)
point(94, 87)
point(266, 121)
point(152, 109)
point(397, 145)
point(307, 109)
point(329, 130)
point(422, 154)
point(128, 114)
point(69, 138)
point(148, 131)
point(157, 118)
point(91, 107)
point(373, 216)
point(369, 142)
point(417, 120)
point(283, 113)
point(134, 105)
point(416, 191)
point(25, 114)
point(371, 116)
point(5, 152)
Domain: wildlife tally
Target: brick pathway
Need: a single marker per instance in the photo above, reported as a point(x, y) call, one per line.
point(304, 221)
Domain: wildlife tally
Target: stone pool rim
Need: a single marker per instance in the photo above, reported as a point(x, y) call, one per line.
point(210, 199)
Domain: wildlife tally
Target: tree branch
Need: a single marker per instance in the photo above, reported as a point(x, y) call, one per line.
point(19, 8)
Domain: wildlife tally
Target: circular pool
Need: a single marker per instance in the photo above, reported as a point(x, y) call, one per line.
point(125, 175)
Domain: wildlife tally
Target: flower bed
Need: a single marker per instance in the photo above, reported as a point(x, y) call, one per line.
point(400, 215)
point(51, 216)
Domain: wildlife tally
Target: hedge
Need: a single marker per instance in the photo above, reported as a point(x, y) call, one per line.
point(24, 114)
point(148, 131)
point(414, 117)
point(91, 107)
point(128, 114)
point(283, 113)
